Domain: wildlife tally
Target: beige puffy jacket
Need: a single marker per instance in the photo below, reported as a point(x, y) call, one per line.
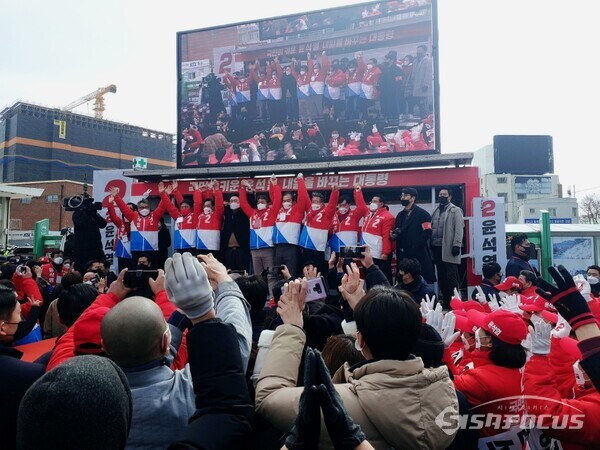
point(394, 402)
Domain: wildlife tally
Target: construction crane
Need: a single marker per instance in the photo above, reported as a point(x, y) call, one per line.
point(97, 96)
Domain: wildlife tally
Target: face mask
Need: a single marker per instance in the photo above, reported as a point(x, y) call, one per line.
point(144, 212)
point(302, 72)
point(234, 206)
point(88, 283)
point(579, 376)
point(67, 266)
point(22, 330)
point(465, 342)
point(405, 202)
point(287, 72)
point(261, 206)
point(369, 66)
point(343, 210)
point(316, 206)
point(357, 346)
point(478, 345)
point(443, 200)
point(373, 206)
point(335, 136)
point(207, 211)
point(592, 280)
point(287, 205)
point(58, 260)
point(141, 267)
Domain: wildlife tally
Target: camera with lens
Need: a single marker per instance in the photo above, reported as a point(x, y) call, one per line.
point(395, 234)
point(81, 202)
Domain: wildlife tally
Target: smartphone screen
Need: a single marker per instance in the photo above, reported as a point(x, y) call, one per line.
point(316, 289)
point(352, 252)
point(139, 278)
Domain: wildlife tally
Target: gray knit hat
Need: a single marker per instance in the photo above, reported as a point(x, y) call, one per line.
point(85, 403)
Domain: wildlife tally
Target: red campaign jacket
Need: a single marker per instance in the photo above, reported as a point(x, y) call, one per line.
point(351, 220)
point(321, 219)
point(190, 220)
point(380, 224)
point(562, 365)
point(65, 345)
point(490, 382)
point(26, 288)
point(123, 226)
point(148, 223)
point(52, 275)
point(214, 220)
point(298, 210)
point(538, 382)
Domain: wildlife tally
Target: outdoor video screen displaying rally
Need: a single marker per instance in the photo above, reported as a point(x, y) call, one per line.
point(337, 84)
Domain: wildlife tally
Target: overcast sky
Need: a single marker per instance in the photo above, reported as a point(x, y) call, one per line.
point(506, 67)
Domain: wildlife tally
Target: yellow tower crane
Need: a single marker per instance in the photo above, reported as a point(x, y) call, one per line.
point(97, 96)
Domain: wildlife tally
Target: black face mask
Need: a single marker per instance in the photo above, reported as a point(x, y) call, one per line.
point(405, 202)
point(443, 200)
point(23, 329)
point(525, 254)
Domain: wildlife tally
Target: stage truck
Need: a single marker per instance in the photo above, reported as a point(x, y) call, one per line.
point(462, 179)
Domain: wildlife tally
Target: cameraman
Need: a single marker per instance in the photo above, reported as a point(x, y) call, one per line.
point(87, 242)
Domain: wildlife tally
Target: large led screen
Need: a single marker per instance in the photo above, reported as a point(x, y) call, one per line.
point(345, 83)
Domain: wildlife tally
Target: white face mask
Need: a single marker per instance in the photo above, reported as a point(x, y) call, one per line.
point(478, 345)
point(287, 205)
point(234, 205)
point(316, 206)
point(369, 66)
point(207, 211)
point(144, 212)
point(579, 375)
point(335, 136)
point(357, 346)
point(302, 72)
point(592, 280)
point(66, 266)
point(373, 206)
point(465, 342)
point(343, 210)
point(58, 260)
point(261, 206)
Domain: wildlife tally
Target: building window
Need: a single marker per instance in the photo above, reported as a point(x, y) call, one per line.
point(575, 212)
point(531, 210)
point(552, 212)
point(26, 200)
point(52, 198)
point(502, 180)
point(521, 196)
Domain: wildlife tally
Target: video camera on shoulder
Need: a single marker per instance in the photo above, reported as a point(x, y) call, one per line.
point(81, 202)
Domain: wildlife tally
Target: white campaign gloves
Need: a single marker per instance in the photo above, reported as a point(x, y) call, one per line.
point(443, 324)
point(187, 285)
point(540, 338)
point(427, 304)
point(511, 303)
point(584, 287)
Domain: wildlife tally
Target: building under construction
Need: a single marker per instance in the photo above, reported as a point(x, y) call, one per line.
point(48, 144)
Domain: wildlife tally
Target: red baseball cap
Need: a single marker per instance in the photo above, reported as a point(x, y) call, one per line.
point(463, 323)
point(535, 303)
point(457, 305)
point(509, 283)
point(86, 331)
point(569, 345)
point(550, 316)
point(504, 325)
